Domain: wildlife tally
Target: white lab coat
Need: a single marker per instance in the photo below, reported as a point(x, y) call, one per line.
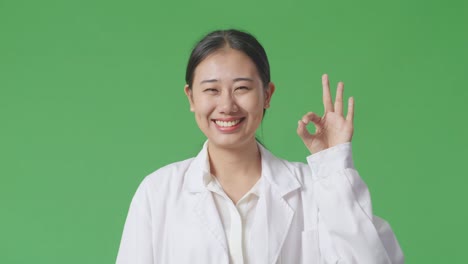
point(315, 213)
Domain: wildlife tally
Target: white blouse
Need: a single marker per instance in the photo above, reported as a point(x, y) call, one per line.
point(237, 219)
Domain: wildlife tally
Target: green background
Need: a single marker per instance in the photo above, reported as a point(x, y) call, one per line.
point(91, 101)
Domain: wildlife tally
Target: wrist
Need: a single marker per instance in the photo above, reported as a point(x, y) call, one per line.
point(332, 159)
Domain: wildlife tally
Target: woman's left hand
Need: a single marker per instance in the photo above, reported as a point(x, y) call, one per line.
point(332, 128)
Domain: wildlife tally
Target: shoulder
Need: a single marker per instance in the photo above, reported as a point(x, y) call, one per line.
point(322, 164)
point(300, 170)
point(164, 180)
point(284, 173)
point(171, 173)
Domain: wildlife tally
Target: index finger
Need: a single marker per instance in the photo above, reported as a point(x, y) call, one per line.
point(350, 115)
point(327, 100)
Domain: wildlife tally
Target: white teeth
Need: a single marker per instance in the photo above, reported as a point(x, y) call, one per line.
point(227, 123)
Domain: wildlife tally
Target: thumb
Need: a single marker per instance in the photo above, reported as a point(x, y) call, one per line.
point(303, 132)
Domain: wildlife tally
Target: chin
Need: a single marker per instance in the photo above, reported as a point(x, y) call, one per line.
point(230, 141)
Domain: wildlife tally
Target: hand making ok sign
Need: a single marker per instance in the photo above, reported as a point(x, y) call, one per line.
point(332, 128)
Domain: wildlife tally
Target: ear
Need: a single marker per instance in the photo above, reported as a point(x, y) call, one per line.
point(188, 93)
point(268, 94)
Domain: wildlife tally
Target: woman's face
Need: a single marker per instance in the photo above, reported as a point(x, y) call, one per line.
point(228, 98)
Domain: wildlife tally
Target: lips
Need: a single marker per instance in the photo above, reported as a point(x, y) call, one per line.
point(228, 124)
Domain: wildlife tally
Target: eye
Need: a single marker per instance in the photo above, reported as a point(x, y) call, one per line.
point(210, 90)
point(243, 88)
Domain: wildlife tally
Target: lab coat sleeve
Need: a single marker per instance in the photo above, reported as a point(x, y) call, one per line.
point(136, 244)
point(345, 218)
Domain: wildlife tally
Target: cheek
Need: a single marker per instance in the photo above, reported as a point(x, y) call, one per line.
point(203, 107)
point(255, 103)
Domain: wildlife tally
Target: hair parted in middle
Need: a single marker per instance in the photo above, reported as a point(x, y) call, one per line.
point(232, 38)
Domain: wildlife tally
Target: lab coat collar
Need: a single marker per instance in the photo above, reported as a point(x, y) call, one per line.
point(198, 173)
point(274, 170)
point(277, 181)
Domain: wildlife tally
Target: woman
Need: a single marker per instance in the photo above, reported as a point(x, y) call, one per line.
point(237, 203)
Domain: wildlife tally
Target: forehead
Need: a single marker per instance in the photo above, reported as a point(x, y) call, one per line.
point(225, 64)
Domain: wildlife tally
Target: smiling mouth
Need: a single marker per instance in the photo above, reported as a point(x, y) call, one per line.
point(230, 123)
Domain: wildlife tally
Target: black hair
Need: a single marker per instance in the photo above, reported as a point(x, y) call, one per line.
point(232, 38)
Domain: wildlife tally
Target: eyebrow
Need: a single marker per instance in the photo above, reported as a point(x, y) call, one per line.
point(235, 80)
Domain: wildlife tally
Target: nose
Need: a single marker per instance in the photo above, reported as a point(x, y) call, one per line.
point(227, 104)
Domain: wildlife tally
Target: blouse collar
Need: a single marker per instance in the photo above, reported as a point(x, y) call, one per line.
point(275, 171)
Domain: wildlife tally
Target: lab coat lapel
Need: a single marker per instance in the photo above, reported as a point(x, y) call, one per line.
point(204, 206)
point(274, 215)
point(206, 210)
point(271, 226)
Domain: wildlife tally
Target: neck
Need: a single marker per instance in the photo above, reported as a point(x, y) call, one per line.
point(234, 165)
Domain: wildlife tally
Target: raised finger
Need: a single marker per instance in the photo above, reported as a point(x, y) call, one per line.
point(327, 101)
point(339, 98)
point(350, 115)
